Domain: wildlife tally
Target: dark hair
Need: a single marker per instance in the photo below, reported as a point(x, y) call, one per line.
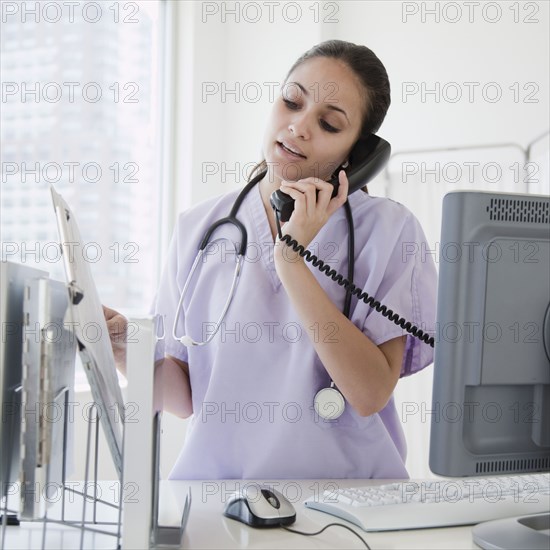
point(371, 73)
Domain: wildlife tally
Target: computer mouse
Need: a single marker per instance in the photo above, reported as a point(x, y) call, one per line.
point(260, 506)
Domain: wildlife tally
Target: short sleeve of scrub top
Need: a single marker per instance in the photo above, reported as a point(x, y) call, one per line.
point(253, 385)
point(403, 280)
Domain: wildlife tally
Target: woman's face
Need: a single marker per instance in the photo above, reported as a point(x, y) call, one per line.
point(318, 114)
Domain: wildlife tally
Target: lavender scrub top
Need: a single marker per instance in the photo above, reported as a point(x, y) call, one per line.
point(254, 384)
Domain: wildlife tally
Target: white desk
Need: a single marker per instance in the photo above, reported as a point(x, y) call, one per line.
point(208, 528)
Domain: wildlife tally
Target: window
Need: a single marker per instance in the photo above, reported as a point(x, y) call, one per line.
point(77, 118)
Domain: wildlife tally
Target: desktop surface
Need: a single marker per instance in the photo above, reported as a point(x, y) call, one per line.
point(208, 528)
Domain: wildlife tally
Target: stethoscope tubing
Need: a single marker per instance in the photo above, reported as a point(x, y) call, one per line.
point(232, 219)
point(335, 404)
point(185, 339)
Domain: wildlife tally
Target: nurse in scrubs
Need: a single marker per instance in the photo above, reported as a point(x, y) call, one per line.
point(250, 391)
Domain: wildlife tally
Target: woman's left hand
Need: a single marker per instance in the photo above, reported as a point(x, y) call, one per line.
point(312, 210)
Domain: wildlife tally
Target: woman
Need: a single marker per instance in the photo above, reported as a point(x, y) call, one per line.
point(251, 389)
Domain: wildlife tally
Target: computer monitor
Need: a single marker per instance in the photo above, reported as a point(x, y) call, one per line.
point(36, 383)
point(12, 290)
point(491, 391)
point(47, 435)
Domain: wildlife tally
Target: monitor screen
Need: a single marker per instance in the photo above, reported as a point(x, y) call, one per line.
point(49, 348)
point(12, 290)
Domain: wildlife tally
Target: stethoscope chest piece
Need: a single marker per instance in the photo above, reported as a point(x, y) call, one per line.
point(329, 403)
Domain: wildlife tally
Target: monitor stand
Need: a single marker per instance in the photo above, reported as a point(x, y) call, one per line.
point(514, 533)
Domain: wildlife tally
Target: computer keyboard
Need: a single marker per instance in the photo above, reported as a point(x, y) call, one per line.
point(436, 502)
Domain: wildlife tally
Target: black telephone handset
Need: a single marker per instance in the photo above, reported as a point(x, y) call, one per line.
point(368, 156)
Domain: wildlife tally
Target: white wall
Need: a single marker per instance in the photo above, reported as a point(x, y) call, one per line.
point(226, 129)
point(417, 51)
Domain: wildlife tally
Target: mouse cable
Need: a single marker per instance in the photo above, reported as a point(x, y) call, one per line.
point(350, 287)
point(326, 527)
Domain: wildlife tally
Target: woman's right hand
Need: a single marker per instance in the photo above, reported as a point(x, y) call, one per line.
point(117, 325)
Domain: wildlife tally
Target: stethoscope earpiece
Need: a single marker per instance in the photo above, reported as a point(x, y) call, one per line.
point(187, 341)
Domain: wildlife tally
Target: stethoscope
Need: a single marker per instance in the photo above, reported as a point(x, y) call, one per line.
point(328, 403)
